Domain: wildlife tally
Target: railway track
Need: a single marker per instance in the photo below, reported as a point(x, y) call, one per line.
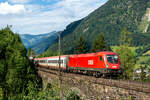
point(125, 84)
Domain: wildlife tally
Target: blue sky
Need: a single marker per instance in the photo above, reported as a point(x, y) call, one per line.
point(43, 16)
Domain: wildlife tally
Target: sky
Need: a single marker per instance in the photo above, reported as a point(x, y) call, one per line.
point(43, 16)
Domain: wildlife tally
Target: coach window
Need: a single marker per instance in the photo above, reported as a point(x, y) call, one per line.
point(61, 61)
point(101, 58)
point(49, 61)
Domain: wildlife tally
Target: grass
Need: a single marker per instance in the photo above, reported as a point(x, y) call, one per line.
point(147, 53)
point(142, 61)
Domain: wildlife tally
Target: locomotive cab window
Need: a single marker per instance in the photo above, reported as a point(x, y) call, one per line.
point(112, 59)
point(101, 59)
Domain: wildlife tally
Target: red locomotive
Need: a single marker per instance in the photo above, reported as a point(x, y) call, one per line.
point(100, 63)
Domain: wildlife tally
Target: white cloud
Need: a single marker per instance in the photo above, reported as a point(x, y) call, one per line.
point(6, 8)
point(45, 18)
point(19, 1)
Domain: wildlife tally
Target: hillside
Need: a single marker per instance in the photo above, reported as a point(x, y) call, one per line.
point(39, 43)
point(110, 19)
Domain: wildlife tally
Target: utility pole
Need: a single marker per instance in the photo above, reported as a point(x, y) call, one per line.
point(59, 62)
point(59, 50)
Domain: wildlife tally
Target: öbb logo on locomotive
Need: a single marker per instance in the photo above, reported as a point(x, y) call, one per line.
point(102, 62)
point(90, 62)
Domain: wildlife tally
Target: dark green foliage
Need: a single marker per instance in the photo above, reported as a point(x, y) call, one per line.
point(51, 92)
point(15, 69)
point(110, 20)
point(81, 46)
point(99, 44)
point(49, 53)
point(143, 50)
point(73, 96)
point(143, 74)
point(140, 39)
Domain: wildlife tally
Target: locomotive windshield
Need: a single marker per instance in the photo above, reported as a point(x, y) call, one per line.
point(112, 59)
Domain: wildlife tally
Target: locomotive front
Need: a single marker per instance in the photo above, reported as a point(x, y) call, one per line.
point(112, 63)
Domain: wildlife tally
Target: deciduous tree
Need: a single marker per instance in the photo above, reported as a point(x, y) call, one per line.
point(126, 55)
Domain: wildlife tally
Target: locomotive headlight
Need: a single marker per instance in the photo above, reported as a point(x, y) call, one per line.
point(107, 66)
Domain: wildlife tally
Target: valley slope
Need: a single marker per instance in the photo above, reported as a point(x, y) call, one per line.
point(39, 43)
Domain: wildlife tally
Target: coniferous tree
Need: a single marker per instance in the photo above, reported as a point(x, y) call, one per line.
point(99, 43)
point(15, 70)
point(126, 55)
point(81, 46)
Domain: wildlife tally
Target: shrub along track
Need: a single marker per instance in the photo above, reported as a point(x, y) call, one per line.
point(125, 84)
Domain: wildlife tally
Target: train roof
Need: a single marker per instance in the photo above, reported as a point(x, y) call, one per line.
point(80, 55)
point(95, 54)
point(43, 58)
point(106, 52)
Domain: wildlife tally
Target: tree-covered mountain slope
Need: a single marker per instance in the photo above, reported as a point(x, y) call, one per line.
point(39, 43)
point(109, 20)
